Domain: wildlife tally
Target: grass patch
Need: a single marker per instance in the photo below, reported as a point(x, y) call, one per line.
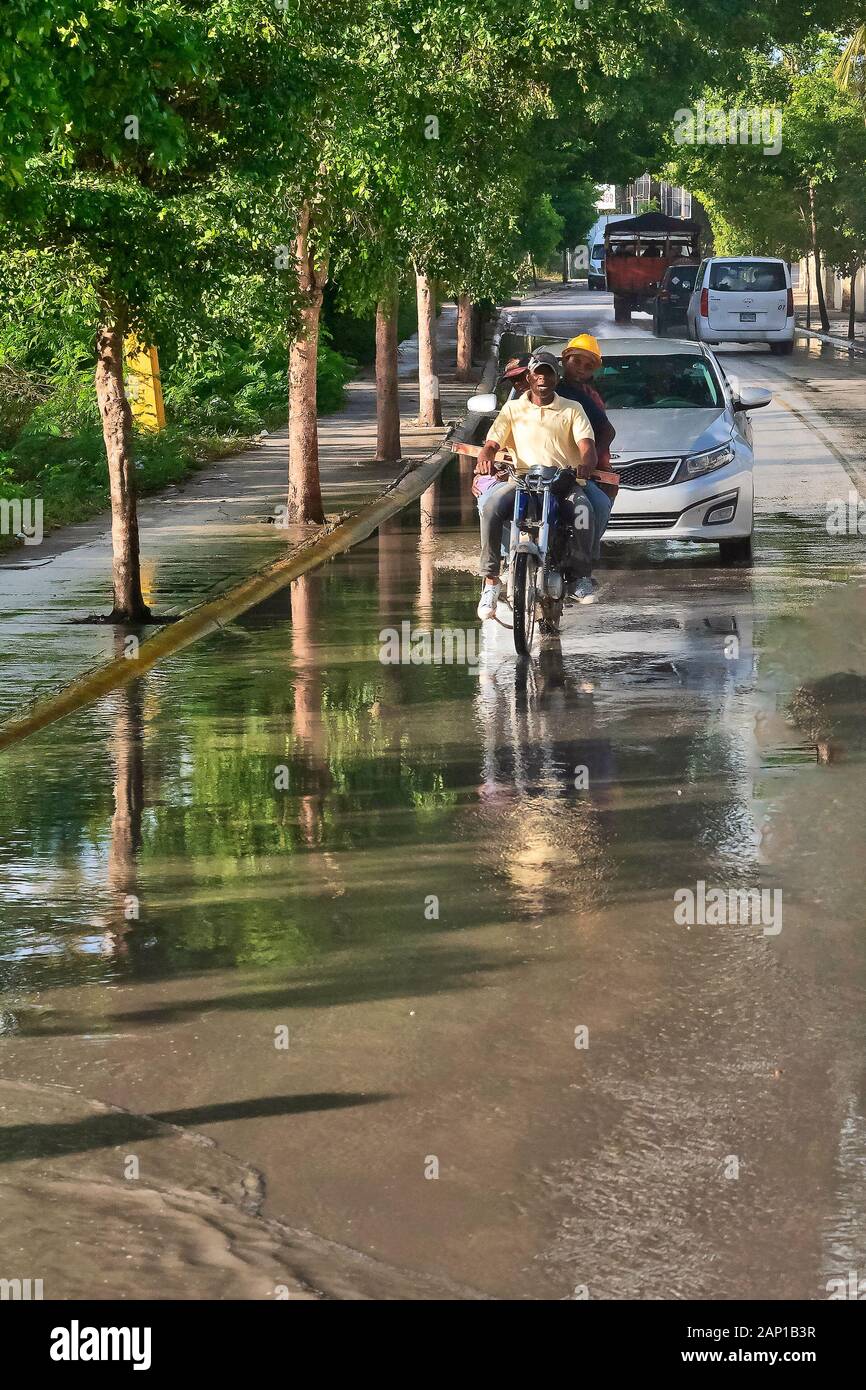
point(54, 448)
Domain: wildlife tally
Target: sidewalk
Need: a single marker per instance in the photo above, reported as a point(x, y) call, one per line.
point(199, 538)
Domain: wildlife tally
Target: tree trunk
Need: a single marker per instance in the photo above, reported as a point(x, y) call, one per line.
point(479, 324)
point(305, 494)
point(819, 287)
point(465, 324)
point(430, 406)
point(129, 605)
point(801, 206)
point(819, 291)
point(387, 382)
point(565, 265)
point(852, 303)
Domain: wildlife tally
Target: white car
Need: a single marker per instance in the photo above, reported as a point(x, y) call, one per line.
point(683, 446)
point(743, 299)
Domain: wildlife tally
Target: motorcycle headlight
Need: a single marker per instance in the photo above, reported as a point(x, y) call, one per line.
point(713, 458)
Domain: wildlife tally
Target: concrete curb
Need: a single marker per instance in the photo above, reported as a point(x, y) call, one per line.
point(209, 617)
point(843, 344)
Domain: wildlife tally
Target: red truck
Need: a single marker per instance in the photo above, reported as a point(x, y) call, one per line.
point(638, 251)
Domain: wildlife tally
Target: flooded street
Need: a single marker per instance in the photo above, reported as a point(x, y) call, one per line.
point(359, 979)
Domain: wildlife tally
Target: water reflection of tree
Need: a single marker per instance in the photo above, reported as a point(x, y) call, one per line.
point(127, 753)
point(427, 553)
point(465, 471)
point(308, 725)
point(397, 569)
point(395, 562)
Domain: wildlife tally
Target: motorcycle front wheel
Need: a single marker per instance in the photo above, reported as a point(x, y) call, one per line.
point(525, 594)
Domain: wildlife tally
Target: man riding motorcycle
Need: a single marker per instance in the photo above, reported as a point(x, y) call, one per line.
point(539, 429)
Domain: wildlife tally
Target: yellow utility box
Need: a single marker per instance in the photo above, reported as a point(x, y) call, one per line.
point(143, 385)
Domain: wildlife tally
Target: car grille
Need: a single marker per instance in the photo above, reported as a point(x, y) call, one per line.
point(642, 521)
point(647, 472)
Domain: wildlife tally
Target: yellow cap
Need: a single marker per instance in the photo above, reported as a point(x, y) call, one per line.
point(584, 343)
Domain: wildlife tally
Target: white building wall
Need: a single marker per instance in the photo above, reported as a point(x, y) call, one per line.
point(836, 287)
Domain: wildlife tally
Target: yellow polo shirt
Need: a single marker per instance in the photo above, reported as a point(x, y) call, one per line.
point(543, 436)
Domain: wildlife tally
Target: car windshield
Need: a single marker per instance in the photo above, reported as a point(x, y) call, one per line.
point(742, 277)
point(677, 381)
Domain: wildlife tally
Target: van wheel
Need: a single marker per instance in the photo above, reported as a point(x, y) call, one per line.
point(782, 349)
point(621, 309)
point(737, 552)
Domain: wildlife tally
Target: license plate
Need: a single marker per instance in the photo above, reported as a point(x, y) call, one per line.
point(748, 318)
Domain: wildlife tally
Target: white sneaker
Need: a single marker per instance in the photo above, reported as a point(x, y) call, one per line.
point(582, 591)
point(489, 599)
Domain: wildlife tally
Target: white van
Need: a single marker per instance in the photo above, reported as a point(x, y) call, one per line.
point(595, 274)
point(743, 299)
point(595, 246)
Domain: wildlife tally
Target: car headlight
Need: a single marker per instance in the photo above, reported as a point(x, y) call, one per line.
point(713, 458)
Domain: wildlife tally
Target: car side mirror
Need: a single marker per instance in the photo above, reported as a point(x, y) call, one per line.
point(752, 398)
point(485, 404)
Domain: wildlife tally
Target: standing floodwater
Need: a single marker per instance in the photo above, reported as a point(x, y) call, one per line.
point(399, 939)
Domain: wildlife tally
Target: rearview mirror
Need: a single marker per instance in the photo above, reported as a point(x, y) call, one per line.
point(484, 404)
point(752, 398)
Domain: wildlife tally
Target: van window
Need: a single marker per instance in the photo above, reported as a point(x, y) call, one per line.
point(598, 251)
point(699, 278)
point(741, 277)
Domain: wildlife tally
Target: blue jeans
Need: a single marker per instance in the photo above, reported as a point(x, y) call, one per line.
point(498, 510)
point(601, 505)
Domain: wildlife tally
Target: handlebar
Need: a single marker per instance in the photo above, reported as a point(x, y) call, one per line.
point(555, 474)
point(506, 466)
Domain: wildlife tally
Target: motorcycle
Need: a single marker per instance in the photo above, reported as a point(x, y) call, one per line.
point(537, 551)
point(537, 547)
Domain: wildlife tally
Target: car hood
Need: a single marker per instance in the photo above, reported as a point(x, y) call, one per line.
point(650, 433)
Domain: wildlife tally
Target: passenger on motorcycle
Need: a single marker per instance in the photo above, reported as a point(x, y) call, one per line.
point(539, 429)
point(514, 375)
point(581, 359)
